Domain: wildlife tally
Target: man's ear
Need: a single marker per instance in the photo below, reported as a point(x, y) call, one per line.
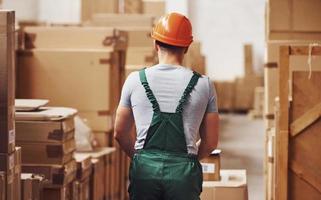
point(156, 47)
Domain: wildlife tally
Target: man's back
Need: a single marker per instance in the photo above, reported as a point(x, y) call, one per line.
point(168, 83)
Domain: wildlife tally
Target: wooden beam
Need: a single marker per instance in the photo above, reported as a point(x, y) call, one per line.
point(305, 120)
point(282, 137)
point(304, 50)
point(305, 175)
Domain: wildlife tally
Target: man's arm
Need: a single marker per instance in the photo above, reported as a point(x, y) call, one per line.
point(122, 130)
point(209, 135)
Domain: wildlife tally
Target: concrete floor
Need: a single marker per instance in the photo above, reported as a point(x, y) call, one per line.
point(242, 143)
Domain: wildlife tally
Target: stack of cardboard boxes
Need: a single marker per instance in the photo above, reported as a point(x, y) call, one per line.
point(31, 186)
point(46, 136)
point(297, 23)
point(81, 186)
point(194, 59)
point(10, 156)
point(239, 95)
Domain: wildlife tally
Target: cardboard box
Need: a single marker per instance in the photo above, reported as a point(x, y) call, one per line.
point(133, 6)
point(93, 76)
point(47, 153)
point(81, 190)
point(58, 193)
point(2, 186)
point(233, 186)
point(123, 20)
point(54, 174)
point(156, 8)
point(84, 167)
point(211, 166)
point(144, 56)
point(7, 162)
point(293, 19)
point(45, 131)
point(73, 37)
point(17, 174)
point(225, 91)
point(31, 186)
point(90, 7)
point(101, 185)
point(7, 81)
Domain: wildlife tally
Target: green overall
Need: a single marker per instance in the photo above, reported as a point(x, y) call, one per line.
point(163, 169)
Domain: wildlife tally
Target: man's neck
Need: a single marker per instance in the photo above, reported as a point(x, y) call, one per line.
point(170, 59)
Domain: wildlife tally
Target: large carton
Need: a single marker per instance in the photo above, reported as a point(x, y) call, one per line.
point(45, 131)
point(7, 80)
point(59, 37)
point(225, 91)
point(54, 174)
point(233, 186)
point(84, 167)
point(91, 7)
point(31, 186)
point(47, 153)
point(7, 166)
point(211, 166)
point(132, 6)
point(156, 8)
point(91, 75)
point(123, 20)
point(293, 19)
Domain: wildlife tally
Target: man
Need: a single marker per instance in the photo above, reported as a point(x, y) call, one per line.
point(172, 107)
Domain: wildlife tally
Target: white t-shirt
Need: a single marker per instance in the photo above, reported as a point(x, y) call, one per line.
point(168, 83)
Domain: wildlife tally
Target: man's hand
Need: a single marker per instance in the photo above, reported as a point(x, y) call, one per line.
point(209, 135)
point(123, 128)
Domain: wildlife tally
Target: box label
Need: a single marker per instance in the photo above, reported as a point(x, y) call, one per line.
point(208, 168)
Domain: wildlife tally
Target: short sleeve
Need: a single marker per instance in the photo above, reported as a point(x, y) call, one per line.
point(125, 98)
point(212, 100)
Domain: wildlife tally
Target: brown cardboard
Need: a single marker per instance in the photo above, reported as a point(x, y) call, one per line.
point(45, 131)
point(90, 7)
point(7, 162)
point(2, 186)
point(293, 19)
point(31, 186)
point(72, 37)
point(144, 56)
point(7, 80)
point(123, 20)
point(101, 162)
point(58, 193)
point(233, 186)
point(225, 91)
point(54, 174)
point(47, 153)
point(81, 190)
point(103, 139)
point(84, 166)
point(56, 72)
point(156, 8)
point(211, 166)
point(17, 174)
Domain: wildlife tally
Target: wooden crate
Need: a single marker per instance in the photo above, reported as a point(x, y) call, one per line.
point(293, 19)
point(298, 134)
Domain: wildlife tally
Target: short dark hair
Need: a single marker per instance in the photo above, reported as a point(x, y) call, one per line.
point(170, 48)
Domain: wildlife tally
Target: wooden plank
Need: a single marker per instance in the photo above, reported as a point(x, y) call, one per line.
point(282, 136)
point(305, 120)
point(306, 175)
point(304, 50)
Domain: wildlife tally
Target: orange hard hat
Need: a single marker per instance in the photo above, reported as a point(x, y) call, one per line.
point(173, 29)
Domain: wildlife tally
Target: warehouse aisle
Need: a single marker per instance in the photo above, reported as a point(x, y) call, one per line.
point(242, 142)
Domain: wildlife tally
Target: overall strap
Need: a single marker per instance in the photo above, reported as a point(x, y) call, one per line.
point(150, 95)
point(187, 91)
